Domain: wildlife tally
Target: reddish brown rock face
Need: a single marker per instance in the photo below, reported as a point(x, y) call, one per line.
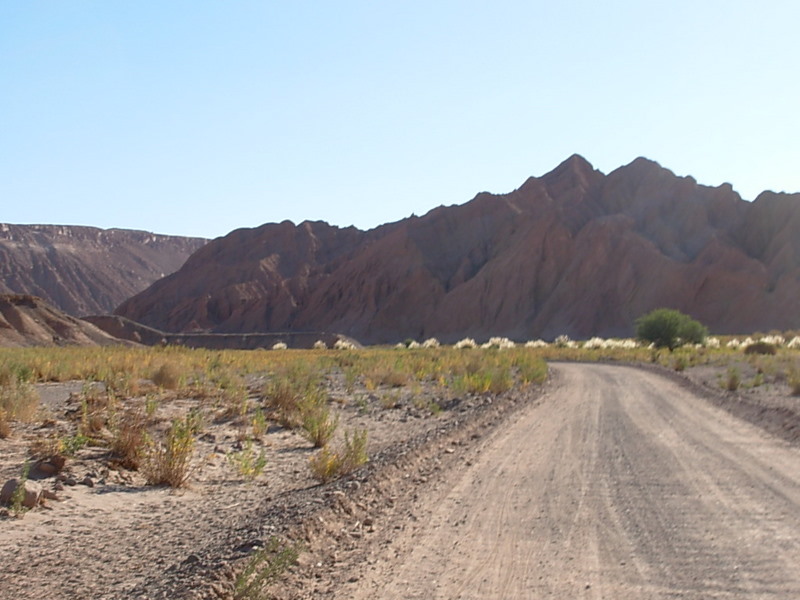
point(85, 270)
point(575, 252)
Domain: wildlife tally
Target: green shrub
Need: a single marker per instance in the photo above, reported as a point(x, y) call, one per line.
point(668, 328)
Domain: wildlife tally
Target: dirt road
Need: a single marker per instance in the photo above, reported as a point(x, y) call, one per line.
point(620, 484)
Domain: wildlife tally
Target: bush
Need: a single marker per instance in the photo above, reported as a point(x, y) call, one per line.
point(668, 328)
point(760, 348)
point(167, 377)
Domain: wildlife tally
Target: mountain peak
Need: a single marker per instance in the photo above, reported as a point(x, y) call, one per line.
point(576, 174)
point(574, 164)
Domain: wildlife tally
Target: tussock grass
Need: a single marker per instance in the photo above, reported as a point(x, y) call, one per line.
point(733, 379)
point(329, 463)
point(129, 441)
point(318, 423)
point(168, 462)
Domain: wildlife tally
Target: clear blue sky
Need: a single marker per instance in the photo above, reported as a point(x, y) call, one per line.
point(198, 117)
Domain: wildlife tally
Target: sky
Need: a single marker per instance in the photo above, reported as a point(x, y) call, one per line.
point(196, 117)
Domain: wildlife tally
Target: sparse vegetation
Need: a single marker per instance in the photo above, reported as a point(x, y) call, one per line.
point(18, 400)
point(265, 566)
point(174, 412)
point(248, 462)
point(18, 497)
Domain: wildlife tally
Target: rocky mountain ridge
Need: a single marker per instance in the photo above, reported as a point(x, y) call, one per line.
point(573, 252)
point(30, 321)
point(86, 270)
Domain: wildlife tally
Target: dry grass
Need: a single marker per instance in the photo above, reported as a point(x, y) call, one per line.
point(329, 464)
point(794, 381)
point(168, 462)
point(318, 423)
point(18, 399)
point(5, 425)
point(129, 441)
point(733, 379)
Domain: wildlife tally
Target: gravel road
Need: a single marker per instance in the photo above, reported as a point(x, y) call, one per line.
point(619, 484)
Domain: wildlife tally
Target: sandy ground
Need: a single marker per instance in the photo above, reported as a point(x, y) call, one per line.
point(608, 482)
point(619, 484)
point(120, 538)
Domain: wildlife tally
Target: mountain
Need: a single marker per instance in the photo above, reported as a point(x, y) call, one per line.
point(85, 270)
point(573, 252)
point(30, 321)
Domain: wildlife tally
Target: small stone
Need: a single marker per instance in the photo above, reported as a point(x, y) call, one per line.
point(58, 486)
point(70, 481)
point(87, 481)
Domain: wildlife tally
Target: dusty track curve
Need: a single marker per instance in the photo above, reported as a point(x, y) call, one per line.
point(620, 484)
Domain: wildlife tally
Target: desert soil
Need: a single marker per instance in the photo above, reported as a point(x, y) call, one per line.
point(607, 482)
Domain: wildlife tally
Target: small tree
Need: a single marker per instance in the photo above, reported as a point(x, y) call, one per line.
point(668, 328)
